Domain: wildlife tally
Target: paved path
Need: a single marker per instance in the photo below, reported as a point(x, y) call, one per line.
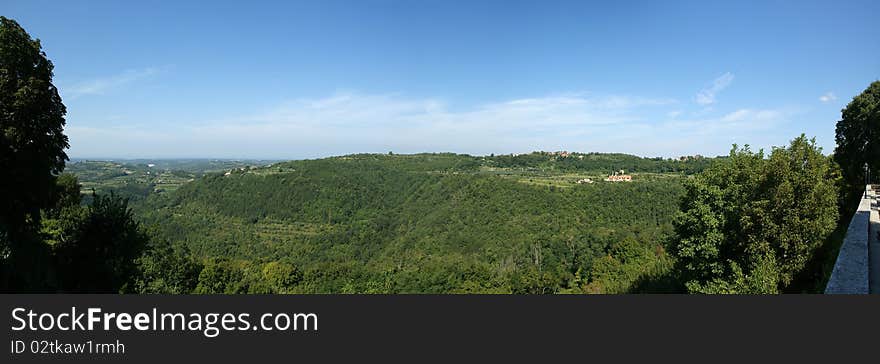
point(874, 246)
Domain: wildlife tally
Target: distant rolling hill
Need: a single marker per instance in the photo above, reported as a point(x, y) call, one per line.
point(431, 223)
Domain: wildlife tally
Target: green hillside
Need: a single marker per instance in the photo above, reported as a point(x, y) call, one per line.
point(427, 223)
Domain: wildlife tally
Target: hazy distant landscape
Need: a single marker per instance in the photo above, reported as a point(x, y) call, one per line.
point(137, 178)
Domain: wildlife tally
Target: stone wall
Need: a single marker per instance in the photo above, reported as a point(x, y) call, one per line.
point(851, 270)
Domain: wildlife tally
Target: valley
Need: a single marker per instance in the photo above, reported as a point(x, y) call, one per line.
point(426, 223)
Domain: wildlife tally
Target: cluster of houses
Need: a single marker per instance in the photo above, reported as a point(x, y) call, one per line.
point(564, 154)
point(242, 169)
point(619, 176)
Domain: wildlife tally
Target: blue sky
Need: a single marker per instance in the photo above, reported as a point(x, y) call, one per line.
point(253, 79)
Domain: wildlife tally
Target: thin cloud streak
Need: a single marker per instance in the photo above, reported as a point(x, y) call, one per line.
point(103, 85)
point(706, 96)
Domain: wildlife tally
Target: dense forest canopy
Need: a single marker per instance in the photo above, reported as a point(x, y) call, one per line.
point(419, 223)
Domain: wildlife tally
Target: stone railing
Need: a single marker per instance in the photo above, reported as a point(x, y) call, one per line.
point(851, 274)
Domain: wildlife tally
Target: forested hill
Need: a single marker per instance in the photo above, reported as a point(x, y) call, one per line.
point(427, 223)
point(542, 161)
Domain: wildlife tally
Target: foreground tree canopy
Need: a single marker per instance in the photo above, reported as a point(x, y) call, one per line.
point(750, 224)
point(32, 141)
point(858, 138)
point(48, 241)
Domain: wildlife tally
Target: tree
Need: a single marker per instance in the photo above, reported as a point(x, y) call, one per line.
point(220, 276)
point(32, 145)
point(66, 193)
point(100, 253)
point(280, 277)
point(858, 138)
point(750, 224)
point(60, 219)
point(32, 141)
point(166, 269)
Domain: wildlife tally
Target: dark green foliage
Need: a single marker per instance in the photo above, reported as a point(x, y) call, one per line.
point(99, 252)
point(32, 141)
point(166, 269)
point(28, 266)
point(78, 248)
point(65, 194)
point(31, 153)
point(858, 138)
point(750, 224)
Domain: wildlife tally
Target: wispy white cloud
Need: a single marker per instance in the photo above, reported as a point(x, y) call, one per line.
point(827, 97)
point(353, 122)
point(706, 96)
point(102, 85)
point(748, 114)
